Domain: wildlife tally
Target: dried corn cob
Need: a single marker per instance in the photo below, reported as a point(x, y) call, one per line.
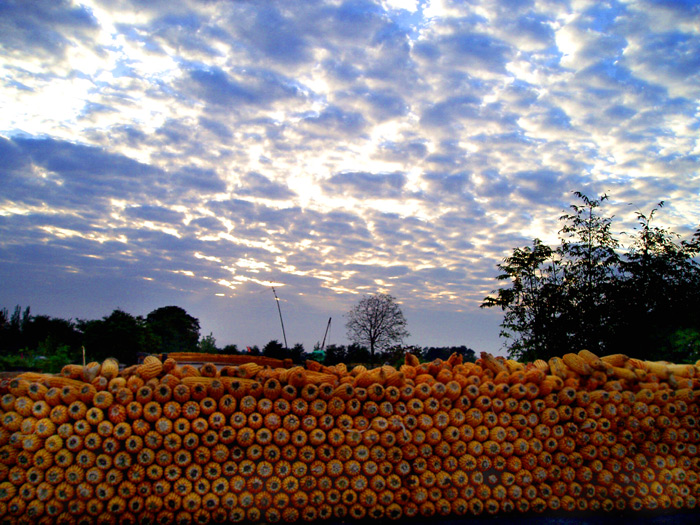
point(577, 364)
point(557, 367)
point(462, 440)
point(493, 363)
point(615, 359)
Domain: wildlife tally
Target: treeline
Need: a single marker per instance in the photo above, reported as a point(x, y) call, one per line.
point(353, 353)
point(592, 291)
point(48, 343)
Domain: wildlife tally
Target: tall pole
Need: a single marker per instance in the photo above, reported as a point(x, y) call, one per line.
point(280, 312)
point(323, 345)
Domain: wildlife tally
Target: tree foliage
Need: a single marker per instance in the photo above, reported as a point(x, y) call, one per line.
point(376, 322)
point(592, 292)
point(174, 329)
point(119, 335)
point(47, 343)
point(393, 355)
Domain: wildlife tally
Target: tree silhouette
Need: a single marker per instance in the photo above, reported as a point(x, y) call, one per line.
point(119, 335)
point(591, 292)
point(174, 328)
point(377, 322)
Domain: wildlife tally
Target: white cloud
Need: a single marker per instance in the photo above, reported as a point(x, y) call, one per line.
point(335, 147)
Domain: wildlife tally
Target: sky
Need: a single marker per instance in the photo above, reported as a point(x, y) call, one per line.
point(194, 153)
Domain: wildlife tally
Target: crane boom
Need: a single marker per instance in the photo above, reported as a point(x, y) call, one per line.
point(277, 299)
point(328, 326)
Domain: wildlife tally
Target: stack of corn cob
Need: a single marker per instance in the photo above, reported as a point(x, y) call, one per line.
point(164, 442)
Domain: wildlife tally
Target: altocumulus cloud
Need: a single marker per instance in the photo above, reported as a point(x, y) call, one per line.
point(192, 153)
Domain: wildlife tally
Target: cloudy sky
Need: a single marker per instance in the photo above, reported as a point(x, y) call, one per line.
point(191, 153)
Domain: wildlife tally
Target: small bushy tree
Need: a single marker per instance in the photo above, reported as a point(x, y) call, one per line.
point(207, 344)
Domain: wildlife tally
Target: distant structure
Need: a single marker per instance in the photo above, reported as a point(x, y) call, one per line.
point(284, 335)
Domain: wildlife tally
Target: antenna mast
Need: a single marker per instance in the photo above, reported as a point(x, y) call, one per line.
point(280, 312)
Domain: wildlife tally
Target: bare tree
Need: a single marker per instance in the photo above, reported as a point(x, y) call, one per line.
point(376, 321)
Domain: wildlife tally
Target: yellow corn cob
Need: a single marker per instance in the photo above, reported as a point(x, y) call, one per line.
point(514, 366)
point(641, 373)
point(408, 371)
point(359, 369)
point(395, 379)
point(320, 377)
point(634, 363)
point(686, 394)
point(624, 373)
point(207, 381)
point(455, 359)
point(60, 382)
point(91, 371)
point(493, 364)
point(577, 364)
point(344, 391)
point(552, 382)
point(313, 365)
point(198, 380)
point(109, 368)
point(587, 355)
point(615, 359)
point(151, 367)
point(31, 377)
point(557, 367)
point(365, 379)
point(687, 371)
point(19, 387)
point(541, 364)
point(191, 371)
point(412, 360)
point(678, 383)
point(72, 371)
point(248, 370)
point(659, 369)
point(388, 369)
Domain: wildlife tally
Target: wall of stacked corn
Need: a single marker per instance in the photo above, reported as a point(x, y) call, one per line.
point(166, 442)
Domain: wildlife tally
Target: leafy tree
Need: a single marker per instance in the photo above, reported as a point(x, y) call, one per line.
point(432, 353)
point(530, 303)
point(207, 345)
point(174, 329)
point(22, 331)
point(335, 354)
point(297, 354)
point(591, 272)
point(660, 299)
point(230, 349)
point(415, 350)
point(11, 328)
point(275, 350)
point(393, 355)
point(40, 359)
point(119, 335)
point(357, 354)
point(51, 332)
point(591, 292)
point(683, 346)
point(377, 322)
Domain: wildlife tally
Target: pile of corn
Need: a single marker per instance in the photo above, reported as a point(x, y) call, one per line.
point(163, 442)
